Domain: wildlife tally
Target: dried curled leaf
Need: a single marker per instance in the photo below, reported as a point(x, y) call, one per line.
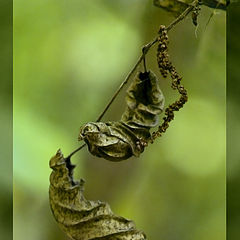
point(116, 141)
point(79, 218)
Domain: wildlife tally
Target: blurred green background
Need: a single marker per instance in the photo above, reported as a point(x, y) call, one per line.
point(233, 129)
point(6, 122)
point(69, 58)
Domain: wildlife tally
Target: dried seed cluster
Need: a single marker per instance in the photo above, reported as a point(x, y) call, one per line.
point(165, 67)
point(162, 53)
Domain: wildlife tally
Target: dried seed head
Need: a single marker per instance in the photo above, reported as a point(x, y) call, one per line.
point(165, 67)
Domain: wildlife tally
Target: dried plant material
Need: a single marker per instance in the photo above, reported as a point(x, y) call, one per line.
point(162, 52)
point(176, 7)
point(195, 14)
point(119, 149)
point(79, 218)
point(116, 141)
point(166, 67)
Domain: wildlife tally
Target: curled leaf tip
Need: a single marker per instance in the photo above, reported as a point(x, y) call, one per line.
point(59, 153)
point(56, 160)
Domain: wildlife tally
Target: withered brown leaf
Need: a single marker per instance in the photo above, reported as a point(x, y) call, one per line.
point(78, 217)
point(116, 141)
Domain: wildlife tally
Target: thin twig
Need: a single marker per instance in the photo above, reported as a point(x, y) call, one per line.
point(120, 88)
point(75, 151)
point(145, 50)
point(183, 15)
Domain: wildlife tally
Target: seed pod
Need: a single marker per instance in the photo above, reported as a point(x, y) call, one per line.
point(116, 141)
point(79, 218)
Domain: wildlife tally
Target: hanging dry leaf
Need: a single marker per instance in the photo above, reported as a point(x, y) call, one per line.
point(79, 218)
point(116, 141)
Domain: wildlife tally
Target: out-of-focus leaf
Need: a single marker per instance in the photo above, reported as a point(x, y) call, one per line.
point(79, 218)
point(217, 4)
point(176, 7)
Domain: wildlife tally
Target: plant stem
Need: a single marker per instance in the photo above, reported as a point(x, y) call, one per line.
point(75, 151)
point(145, 50)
